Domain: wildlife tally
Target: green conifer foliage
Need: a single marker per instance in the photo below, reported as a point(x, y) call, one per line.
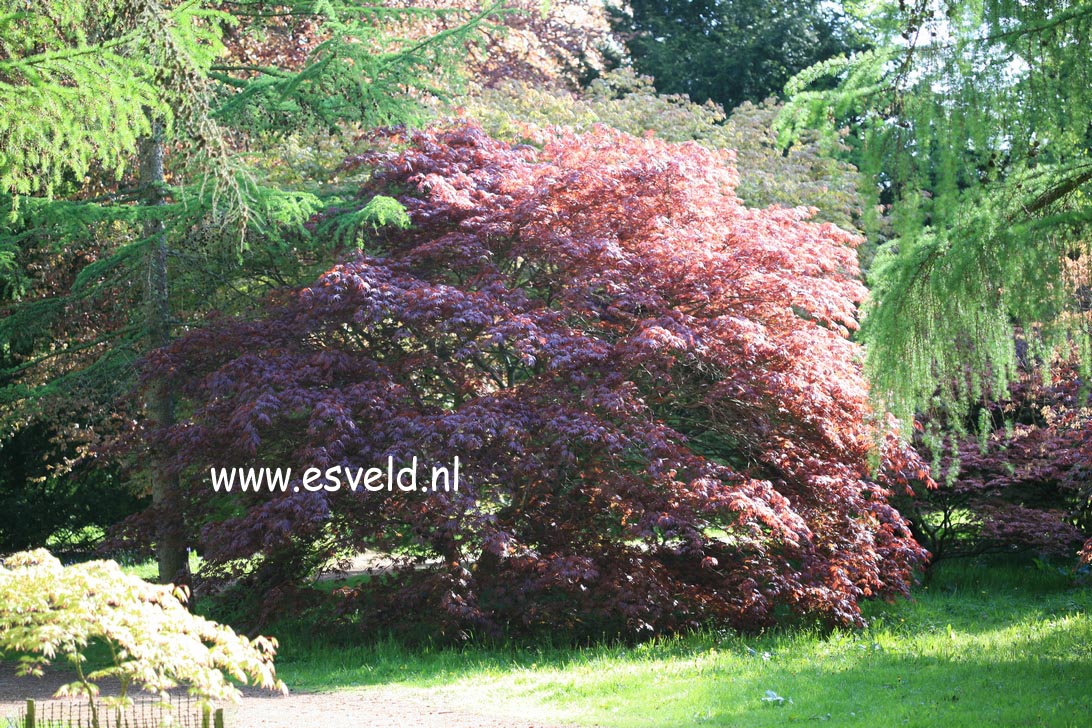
point(363, 63)
point(79, 82)
point(974, 123)
point(101, 261)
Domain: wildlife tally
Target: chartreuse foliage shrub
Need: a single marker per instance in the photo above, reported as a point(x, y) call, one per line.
point(650, 387)
point(49, 612)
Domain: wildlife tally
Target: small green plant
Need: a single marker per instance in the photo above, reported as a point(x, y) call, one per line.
point(49, 611)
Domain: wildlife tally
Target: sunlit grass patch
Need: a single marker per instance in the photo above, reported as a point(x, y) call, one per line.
point(999, 646)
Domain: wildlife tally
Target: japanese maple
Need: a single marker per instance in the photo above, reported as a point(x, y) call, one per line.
point(1020, 483)
point(49, 611)
point(659, 414)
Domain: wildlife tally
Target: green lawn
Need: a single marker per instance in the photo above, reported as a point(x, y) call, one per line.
point(1003, 646)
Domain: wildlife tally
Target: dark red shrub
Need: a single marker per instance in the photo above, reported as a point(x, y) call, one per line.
point(659, 415)
point(1024, 485)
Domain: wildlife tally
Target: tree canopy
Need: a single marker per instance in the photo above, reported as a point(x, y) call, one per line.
point(973, 121)
point(731, 51)
point(649, 385)
point(803, 175)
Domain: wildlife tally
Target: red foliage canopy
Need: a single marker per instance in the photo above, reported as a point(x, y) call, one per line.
point(1027, 489)
point(660, 418)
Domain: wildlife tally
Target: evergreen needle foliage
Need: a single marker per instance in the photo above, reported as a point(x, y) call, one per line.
point(974, 120)
point(132, 195)
point(81, 81)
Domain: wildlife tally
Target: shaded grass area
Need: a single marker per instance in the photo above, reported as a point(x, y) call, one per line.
point(999, 646)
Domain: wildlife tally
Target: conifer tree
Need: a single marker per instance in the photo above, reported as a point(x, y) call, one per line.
point(96, 90)
point(84, 82)
point(973, 119)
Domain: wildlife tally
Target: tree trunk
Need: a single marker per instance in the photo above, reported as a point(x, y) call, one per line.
point(170, 541)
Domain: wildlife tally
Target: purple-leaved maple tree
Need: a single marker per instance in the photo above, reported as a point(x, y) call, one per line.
point(660, 418)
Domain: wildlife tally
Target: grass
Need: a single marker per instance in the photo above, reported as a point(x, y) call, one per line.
point(998, 646)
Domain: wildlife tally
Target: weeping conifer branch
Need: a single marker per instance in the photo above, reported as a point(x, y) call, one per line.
point(985, 174)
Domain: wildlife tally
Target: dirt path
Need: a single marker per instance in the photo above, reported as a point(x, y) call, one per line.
point(371, 707)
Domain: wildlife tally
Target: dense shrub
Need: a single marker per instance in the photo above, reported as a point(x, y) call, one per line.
point(49, 611)
point(1019, 480)
point(650, 387)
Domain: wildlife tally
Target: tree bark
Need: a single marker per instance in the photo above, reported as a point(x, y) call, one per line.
point(170, 541)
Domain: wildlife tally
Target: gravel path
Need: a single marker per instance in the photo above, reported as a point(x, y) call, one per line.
point(371, 707)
